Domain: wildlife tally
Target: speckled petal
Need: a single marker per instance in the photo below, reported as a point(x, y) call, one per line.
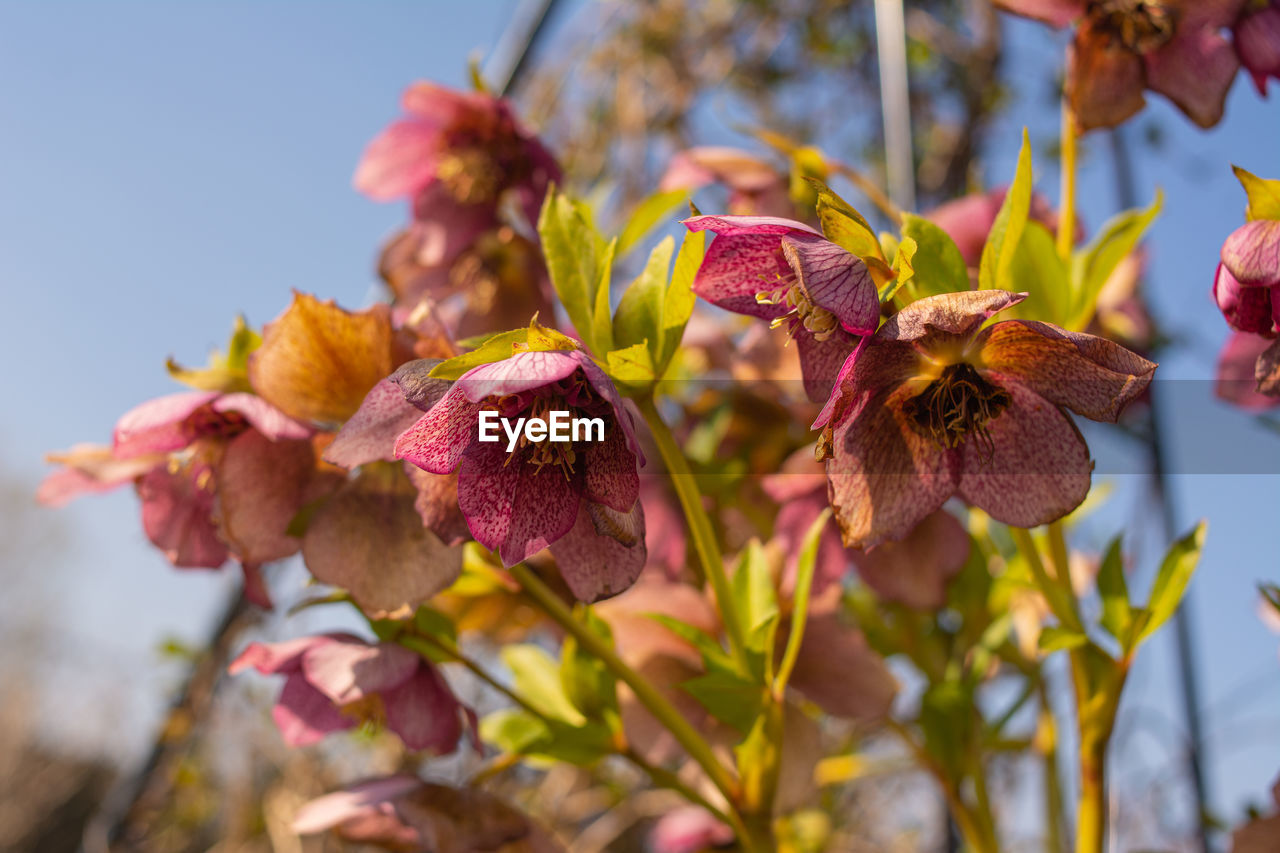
point(438, 440)
point(544, 507)
point(370, 435)
point(949, 314)
point(835, 280)
point(486, 492)
point(610, 472)
point(603, 553)
point(1195, 71)
point(1040, 468)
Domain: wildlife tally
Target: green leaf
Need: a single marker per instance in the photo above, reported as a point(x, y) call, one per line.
point(997, 255)
point(573, 249)
point(1172, 579)
point(640, 312)
point(714, 656)
point(1263, 193)
point(754, 596)
point(501, 346)
point(647, 214)
point(631, 368)
point(516, 731)
point(1092, 266)
point(587, 682)
point(903, 268)
point(945, 717)
point(939, 266)
point(728, 697)
point(1038, 269)
point(679, 302)
point(427, 620)
point(805, 565)
point(601, 335)
point(537, 680)
point(224, 372)
point(1113, 589)
point(1055, 638)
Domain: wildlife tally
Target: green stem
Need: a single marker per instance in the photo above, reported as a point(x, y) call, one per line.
point(1060, 601)
point(688, 737)
point(971, 829)
point(1067, 207)
point(700, 529)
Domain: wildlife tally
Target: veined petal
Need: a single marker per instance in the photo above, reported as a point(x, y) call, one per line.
point(1039, 467)
point(915, 571)
point(736, 267)
point(835, 280)
point(370, 434)
point(884, 477)
point(757, 224)
point(438, 440)
point(822, 362)
point(1104, 79)
point(544, 507)
point(347, 671)
point(952, 314)
point(486, 492)
point(424, 712)
point(159, 425)
point(1090, 375)
point(1252, 253)
point(437, 503)
point(1195, 70)
point(304, 715)
point(263, 416)
point(610, 472)
point(523, 371)
point(595, 558)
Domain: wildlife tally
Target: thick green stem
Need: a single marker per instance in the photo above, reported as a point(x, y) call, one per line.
point(1091, 816)
point(700, 529)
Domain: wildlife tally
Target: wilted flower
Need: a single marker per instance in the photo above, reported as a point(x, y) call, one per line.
point(404, 813)
point(335, 682)
point(786, 272)
point(579, 497)
point(1121, 47)
point(1257, 39)
point(935, 408)
point(755, 187)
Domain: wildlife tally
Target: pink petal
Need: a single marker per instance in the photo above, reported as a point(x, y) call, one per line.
point(1237, 364)
point(276, 658)
point(437, 504)
point(1252, 253)
point(1247, 309)
point(256, 591)
point(957, 314)
point(158, 426)
point(1257, 41)
point(523, 371)
point(835, 280)
point(370, 435)
point(610, 472)
point(840, 673)
point(1040, 468)
point(440, 106)
point(304, 715)
point(91, 469)
point(1195, 71)
point(1104, 79)
point(1090, 375)
point(732, 225)
point(1207, 14)
point(349, 670)
point(486, 492)
point(262, 485)
point(914, 571)
point(603, 386)
point(263, 416)
point(688, 829)
point(437, 441)
point(424, 712)
point(355, 801)
point(400, 161)
point(1056, 13)
point(735, 168)
point(884, 477)
point(544, 508)
point(177, 516)
point(822, 362)
point(1267, 371)
point(603, 553)
point(739, 265)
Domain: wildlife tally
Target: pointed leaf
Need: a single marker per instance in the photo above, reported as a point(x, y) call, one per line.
point(1113, 588)
point(1006, 232)
point(1263, 193)
point(939, 266)
point(1091, 267)
point(640, 311)
point(537, 681)
point(1172, 579)
point(647, 214)
point(679, 302)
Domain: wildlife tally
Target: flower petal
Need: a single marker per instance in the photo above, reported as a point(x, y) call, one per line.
point(355, 801)
point(262, 416)
point(884, 477)
point(177, 516)
point(369, 540)
point(723, 225)
point(1246, 309)
point(952, 314)
point(276, 658)
point(1252, 253)
point(159, 425)
point(1267, 371)
point(603, 553)
point(523, 371)
point(400, 160)
point(1237, 379)
point(262, 484)
point(1104, 79)
point(1090, 375)
point(1056, 13)
point(544, 507)
point(738, 265)
point(610, 472)
point(317, 361)
point(915, 571)
point(835, 280)
point(424, 712)
point(838, 671)
point(438, 440)
point(822, 362)
point(1040, 468)
point(304, 715)
point(1257, 41)
point(1195, 70)
point(486, 492)
point(370, 434)
point(350, 670)
point(91, 469)
point(437, 504)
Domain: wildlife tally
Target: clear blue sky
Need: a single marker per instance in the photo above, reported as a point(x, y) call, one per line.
point(164, 166)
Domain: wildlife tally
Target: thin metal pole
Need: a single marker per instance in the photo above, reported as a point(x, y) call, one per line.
point(895, 102)
point(1188, 671)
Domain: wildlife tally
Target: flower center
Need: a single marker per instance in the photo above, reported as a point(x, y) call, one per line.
point(1140, 25)
point(956, 405)
point(471, 175)
point(577, 408)
point(800, 310)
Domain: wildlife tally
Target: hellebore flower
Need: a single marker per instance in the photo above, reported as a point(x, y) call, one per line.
point(407, 814)
point(1121, 47)
point(755, 187)
point(1238, 373)
point(786, 272)
point(1247, 290)
point(335, 682)
point(1257, 40)
point(461, 150)
point(521, 494)
point(937, 408)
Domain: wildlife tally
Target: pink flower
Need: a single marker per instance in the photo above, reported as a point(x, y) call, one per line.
point(578, 497)
point(786, 272)
point(968, 220)
point(1121, 47)
point(688, 829)
point(755, 187)
point(1247, 290)
point(335, 682)
point(1237, 380)
point(936, 408)
point(458, 152)
point(1257, 40)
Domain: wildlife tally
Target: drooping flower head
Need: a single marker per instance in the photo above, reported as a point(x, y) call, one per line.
point(520, 494)
point(936, 406)
point(1247, 290)
point(1257, 40)
point(1121, 47)
point(787, 273)
point(335, 682)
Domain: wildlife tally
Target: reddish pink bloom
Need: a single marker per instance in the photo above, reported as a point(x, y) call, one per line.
point(1121, 47)
point(580, 498)
point(938, 406)
point(1247, 290)
point(755, 187)
point(335, 682)
point(786, 272)
point(688, 829)
point(1257, 40)
point(1238, 378)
